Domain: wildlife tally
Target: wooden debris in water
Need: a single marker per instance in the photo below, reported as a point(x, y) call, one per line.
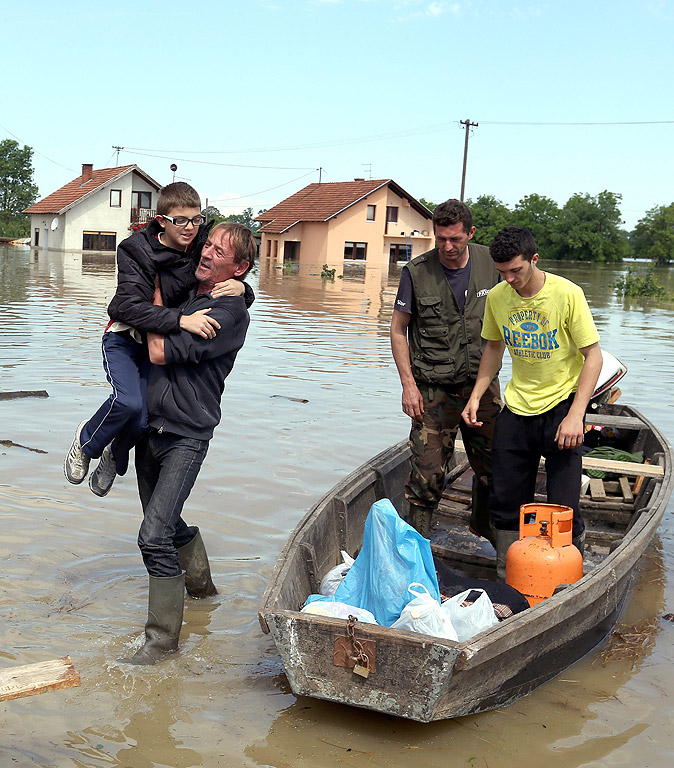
point(629, 643)
point(42, 677)
point(12, 444)
point(24, 393)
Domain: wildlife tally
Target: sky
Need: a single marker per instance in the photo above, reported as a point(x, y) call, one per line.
point(255, 99)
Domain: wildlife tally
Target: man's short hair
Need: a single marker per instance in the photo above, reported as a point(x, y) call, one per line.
point(243, 242)
point(452, 212)
point(177, 195)
point(512, 242)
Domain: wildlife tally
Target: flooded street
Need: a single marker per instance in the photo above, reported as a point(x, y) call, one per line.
point(314, 393)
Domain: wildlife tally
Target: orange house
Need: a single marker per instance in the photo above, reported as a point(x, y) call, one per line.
point(373, 221)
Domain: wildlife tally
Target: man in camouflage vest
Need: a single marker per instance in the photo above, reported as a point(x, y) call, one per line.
point(437, 344)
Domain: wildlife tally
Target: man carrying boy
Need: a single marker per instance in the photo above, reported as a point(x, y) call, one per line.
point(545, 322)
point(436, 343)
point(186, 383)
point(168, 249)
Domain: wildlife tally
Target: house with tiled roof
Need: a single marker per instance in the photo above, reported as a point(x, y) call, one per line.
point(94, 211)
point(373, 220)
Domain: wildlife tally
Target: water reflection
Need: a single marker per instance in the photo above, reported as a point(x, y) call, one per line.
point(354, 290)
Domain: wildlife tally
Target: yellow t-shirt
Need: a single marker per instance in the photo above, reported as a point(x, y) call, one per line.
point(543, 335)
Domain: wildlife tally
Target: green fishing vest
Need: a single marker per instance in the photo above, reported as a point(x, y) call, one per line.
point(445, 345)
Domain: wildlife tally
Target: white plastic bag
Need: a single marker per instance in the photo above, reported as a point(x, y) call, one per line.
point(333, 578)
point(424, 614)
point(338, 610)
point(468, 620)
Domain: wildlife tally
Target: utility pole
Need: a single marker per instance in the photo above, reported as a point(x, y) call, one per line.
point(320, 174)
point(119, 149)
point(468, 126)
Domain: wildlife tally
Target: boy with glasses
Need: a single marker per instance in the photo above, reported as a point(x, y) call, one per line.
point(164, 254)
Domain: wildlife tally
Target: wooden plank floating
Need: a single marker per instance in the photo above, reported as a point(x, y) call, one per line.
point(42, 677)
point(24, 393)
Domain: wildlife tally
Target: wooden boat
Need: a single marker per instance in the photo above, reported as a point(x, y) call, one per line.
point(426, 678)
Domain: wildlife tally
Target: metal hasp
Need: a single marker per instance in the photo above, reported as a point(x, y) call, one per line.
point(355, 654)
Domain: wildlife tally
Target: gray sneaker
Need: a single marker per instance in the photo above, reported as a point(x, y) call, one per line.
point(103, 476)
point(76, 464)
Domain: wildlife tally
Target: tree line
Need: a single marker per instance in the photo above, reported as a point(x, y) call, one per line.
point(585, 228)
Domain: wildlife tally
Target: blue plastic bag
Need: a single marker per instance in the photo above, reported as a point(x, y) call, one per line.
point(393, 555)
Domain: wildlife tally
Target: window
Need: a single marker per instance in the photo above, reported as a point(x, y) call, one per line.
point(99, 241)
point(370, 212)
point(36, 240)
point(400, 253)
point(115, 198)
point(355, 251)
point(141, 200)
point(392, 213)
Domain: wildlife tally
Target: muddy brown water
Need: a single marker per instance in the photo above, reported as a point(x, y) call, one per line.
point(314, 393)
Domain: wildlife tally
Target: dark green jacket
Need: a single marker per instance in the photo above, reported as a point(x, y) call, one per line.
point(445, 345)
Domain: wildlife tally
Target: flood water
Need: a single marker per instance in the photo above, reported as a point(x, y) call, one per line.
point(314, 393)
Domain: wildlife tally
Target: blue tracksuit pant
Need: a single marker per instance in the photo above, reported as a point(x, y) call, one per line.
point(122, 418)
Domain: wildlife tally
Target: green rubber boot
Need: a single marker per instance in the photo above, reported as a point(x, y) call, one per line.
point(166, 602)
point(503, 541)
point(194, 561)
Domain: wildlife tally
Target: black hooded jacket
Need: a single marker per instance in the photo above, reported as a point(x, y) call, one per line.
point(141, 257)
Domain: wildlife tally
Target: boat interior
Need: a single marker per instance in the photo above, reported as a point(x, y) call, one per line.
point(610, 505)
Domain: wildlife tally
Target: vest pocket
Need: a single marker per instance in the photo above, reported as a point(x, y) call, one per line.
point(429, 306)
point(434, 372)
point(434, 342)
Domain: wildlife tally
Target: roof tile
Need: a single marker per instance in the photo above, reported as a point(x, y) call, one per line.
point(76, 189)
point(320, 202)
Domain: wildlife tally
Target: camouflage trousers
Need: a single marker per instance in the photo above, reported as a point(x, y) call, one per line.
point(432, 440)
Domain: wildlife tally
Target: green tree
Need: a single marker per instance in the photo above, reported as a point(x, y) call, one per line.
point(431, 206)
point(17, 190)
point(489, 217)
point(246, 217)
point(539, 215)
point(588, 229)
point(653, 236)
point(212, 214)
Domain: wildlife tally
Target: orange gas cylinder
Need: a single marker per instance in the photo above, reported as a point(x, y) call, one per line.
point(544, 556)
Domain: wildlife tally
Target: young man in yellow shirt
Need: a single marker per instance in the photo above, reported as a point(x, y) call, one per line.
point(545, 322)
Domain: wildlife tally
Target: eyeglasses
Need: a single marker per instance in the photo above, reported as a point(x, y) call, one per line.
point(183, 221)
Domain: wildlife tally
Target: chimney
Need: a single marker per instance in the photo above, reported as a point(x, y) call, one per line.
point(87, 171)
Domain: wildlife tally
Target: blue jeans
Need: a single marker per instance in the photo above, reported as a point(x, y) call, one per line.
point(122, 418)
point(167, 466)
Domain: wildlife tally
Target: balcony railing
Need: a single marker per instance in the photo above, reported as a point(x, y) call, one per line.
point(142, 215)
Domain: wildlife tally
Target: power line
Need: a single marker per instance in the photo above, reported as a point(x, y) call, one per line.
point(436, 128)
point(625, 122)
point(210, 162)
point(317, 145)
point(262, 191)
point(35, 150)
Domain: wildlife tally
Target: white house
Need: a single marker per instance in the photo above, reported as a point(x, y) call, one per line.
point(94, 211)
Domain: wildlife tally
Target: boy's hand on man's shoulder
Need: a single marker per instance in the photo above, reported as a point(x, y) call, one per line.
point(231, 287)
